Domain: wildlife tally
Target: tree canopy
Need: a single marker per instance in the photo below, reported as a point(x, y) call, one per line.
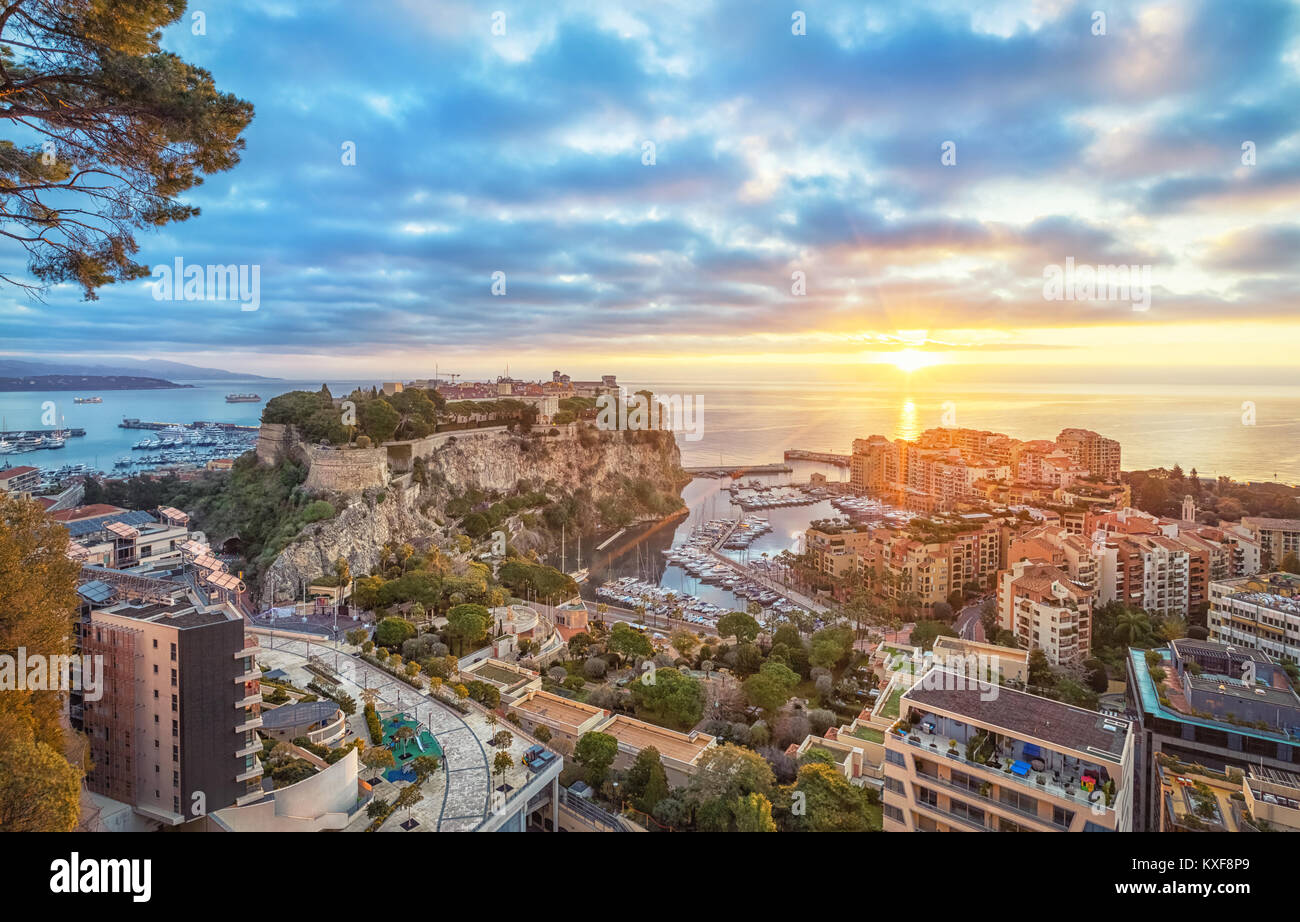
point(113, 131)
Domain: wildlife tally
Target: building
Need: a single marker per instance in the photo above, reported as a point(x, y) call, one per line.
point(966, 756)
point(1258, 613)
point(320, 722)
point(1193, 703)
point(1046, 610)
point(173, 733)
point(679, 753)
point(1196, 799)
point(20, 481)
point(1277, 538)
point(121, 539)
point(835, 550)
point(1099, 455)
point(987, 661)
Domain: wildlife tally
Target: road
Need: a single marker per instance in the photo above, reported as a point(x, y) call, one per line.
point(968, 624)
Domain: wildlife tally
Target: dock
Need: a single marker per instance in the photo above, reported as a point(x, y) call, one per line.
point(825, 457)
point(739, 470)
point(20, 433)
point(197, 424)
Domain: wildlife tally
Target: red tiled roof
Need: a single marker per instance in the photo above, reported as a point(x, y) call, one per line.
point(15, 471)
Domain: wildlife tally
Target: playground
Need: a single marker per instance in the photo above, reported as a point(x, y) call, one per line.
point(407, 747)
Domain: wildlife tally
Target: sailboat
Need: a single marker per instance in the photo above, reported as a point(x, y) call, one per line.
point(580, 575)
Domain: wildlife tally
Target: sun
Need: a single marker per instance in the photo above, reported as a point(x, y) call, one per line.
point(910, 360)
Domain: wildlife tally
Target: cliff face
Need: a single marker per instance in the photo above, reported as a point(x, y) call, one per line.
point(487, 461)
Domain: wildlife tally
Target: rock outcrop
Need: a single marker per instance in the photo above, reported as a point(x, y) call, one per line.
point(491, 461)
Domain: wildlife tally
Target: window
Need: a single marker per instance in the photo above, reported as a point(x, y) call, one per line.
point(893, 813)
point(173, 653)
point(894, 758)
point(1062, 816)
point(927, 796)
point(894, 786)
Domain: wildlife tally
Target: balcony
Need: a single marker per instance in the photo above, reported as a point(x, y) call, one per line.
point(1044, 771)
point(252, 675)
point(250, 774)
point(248, 701)
point(252, 723)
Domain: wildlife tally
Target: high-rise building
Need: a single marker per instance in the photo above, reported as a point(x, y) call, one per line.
point(1097, 453)
point(1046, 610)
point(173, 734)
point(1209, 704)
point(967, 756)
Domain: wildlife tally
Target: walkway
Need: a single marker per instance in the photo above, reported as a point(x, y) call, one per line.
point(465, 802)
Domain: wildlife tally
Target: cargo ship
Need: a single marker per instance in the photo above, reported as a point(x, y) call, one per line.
point(87, 399)
point(243, 398)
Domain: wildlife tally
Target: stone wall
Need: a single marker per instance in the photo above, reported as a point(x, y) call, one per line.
point(276, 441)
point(345, 470)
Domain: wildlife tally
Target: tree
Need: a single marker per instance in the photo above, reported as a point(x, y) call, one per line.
point(1290, 563)
point(377, 758)
point(37, 601)
point(626, 641)
point(119, 130)
point(501, 763)
point(467, 624)
point(753, 813)
point(392, 631)
point(823, 800)
point(647, 782)
point(683, 641)
point(39, 790)
point(595, 752)
point(727, 772)
point(771, 687)
point(739, 625)
point(670, 698)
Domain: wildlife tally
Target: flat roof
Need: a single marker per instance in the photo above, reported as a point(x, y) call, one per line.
point(1024, 714)
point(640, 735)
point(549, 707)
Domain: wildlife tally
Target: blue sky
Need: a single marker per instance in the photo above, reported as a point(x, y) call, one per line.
point(775, 153)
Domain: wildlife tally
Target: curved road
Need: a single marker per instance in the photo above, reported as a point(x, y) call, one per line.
point(466, 798)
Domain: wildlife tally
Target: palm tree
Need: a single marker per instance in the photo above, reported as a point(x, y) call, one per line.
point(1132, 626)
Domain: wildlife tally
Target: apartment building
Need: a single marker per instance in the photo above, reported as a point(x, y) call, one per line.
point(1056, 545)
point(1258, 613)
point(932, 557)
point(1094, 452)
point(1277, 538)
point(173, 734)
point(973, 757)
point(1212, 704)
point(873, 466)
point(123, 539)
point(23, 480)
point(835, 551)
point(1046, 610)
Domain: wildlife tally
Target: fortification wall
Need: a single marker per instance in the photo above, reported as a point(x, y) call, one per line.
point(275, 441)
point(345, 470)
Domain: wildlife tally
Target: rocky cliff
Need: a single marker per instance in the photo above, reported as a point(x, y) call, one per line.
point(493, 462)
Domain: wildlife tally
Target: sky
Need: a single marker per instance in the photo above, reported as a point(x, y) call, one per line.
point(894, 185)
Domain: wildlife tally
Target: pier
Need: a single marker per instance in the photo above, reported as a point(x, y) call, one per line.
point(197, 424)
point(739, 470)
point(825, 457)
point(21, 433)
